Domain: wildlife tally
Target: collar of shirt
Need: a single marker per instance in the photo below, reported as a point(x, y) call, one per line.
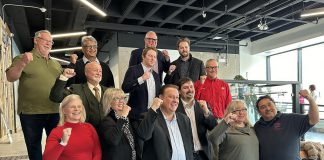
point(187, 105)
point(38, 55)
point(92, 86)
point(85, 59)
point(146, 68)
point(174, 117)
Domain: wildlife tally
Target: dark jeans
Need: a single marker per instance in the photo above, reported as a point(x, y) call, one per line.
point(32, 126)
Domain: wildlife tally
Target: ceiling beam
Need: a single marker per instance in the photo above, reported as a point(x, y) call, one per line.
point(127, 7)
point(273, 21)
point(78, 19)
point(176, 12)
point(199, 13)
point(143, 29)
point(151, 12)
point(48, 15)
point(232, 6)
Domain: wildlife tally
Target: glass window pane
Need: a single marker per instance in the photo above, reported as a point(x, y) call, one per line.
point(284, 66)
point(312, 66)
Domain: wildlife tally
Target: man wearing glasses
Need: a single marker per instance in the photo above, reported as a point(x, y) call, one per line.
point(163, 59)
point(36, 72)
point(213, 90)
point(185, 65)
point(89, 48)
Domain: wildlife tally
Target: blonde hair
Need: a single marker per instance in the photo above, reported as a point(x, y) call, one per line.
point(233, 106)
point(108, 96)
point(65, 103)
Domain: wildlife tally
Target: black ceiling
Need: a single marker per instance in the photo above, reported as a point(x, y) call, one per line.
point(233, 20)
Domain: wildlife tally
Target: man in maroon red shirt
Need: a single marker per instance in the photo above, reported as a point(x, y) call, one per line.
point(213, 90)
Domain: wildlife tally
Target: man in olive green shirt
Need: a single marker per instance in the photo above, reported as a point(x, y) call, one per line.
point(36, 72)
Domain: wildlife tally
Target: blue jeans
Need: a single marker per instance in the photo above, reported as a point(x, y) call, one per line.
point(32, 127)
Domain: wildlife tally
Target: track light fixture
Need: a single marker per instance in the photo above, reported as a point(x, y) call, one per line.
point(203, 14)
point(263, 24)
point(42, 9)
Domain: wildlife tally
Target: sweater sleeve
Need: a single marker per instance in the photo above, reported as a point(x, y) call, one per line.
point(96, 152)
point(53, 148)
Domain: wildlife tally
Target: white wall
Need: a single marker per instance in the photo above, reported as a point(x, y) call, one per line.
point(252, 67)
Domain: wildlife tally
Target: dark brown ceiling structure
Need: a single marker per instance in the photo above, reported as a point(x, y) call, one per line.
point(232, 20)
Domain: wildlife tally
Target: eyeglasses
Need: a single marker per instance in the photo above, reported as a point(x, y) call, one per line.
point(212, 67)
point(91, 47)
point(239, 110)
point(119, 98)
point(152, 39)
point(48, 41)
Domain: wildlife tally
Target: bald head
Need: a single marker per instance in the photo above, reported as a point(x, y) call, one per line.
point(150, 39)
point(93, 73)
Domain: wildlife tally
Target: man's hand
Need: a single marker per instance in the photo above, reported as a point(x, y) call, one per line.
point(156, 103)
point(304, 93)
point(172, 68)
point(27, 57)
point(73, 58)
point(68, 72)
point(202, 79)
point(146, 75)
point(203, 105)
point(165, 54)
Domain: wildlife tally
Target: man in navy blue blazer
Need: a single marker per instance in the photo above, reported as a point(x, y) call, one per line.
point(142, 83)
point(163, 59)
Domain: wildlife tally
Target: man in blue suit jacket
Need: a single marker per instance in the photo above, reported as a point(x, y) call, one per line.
point(163, 59)
point(142, 83)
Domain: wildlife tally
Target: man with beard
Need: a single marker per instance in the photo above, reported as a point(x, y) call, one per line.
point(36, 71)
point(163, 59)
point(200, 117)
point(90, 92)
point(213, 90)
point(142, 83)
point(185, 65)
point(89, 48)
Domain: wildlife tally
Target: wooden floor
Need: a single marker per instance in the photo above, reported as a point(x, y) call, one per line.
point(16, 150)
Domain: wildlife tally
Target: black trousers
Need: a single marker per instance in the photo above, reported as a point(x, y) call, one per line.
point(32, 127)
point(200, 155)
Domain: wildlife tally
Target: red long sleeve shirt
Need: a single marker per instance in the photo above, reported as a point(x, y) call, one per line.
point(216, 92)
point(83, 143)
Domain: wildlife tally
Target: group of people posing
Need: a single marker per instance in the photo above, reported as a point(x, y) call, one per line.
point(191, 117)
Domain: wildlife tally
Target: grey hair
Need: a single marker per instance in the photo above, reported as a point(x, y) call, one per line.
point(87, 38)
point(38, 33)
